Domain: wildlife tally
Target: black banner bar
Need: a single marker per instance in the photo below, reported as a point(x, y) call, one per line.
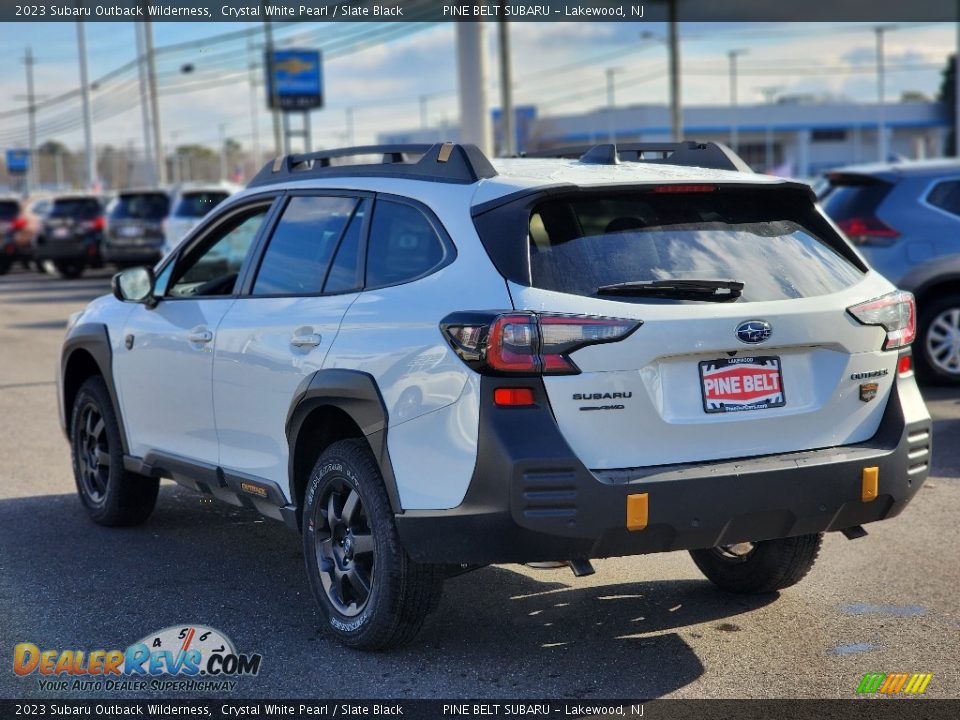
point(484, 10)
point(862, 709)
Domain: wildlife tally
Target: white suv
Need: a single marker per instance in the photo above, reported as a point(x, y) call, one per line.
point(432, 362)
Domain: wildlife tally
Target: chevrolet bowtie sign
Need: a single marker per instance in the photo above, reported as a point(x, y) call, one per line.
point(294, 80)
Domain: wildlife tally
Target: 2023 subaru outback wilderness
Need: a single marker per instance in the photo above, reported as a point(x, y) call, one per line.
point(431, 362)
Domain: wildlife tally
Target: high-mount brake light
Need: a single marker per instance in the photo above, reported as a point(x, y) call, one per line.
point(895, 312)
point(685, 188)
point(527, 343)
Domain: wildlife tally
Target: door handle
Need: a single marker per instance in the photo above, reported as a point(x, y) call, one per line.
point(308, 340)
point(200, 336)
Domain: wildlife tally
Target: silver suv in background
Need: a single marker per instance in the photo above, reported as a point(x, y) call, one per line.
point(135, 227)
point(905, 218)
point(189, 204)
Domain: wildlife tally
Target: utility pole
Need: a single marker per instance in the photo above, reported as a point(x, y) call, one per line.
point(472, 84)
point(32, 158)
point(254, 113)
point(676, 114)
point(144, 111)
point(275, 113)
point(223, 152)
point(611, 103)
point(882, 146)
point(161, 172)
point(734, 130)
point(90, 151)
point(509, 147)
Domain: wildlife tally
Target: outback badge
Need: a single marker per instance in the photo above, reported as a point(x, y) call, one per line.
point(868, 391)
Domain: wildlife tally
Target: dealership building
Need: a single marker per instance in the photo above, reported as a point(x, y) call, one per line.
point(799, 137)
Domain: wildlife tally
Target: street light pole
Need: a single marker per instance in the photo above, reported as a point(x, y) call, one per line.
point(91, 157)
point(611, 104)
point(882, 146)
point(144, 110)
point(472, 85)
point(161, 172)
point(506, 88)
point(676, 115)
point(734, 130)
point(275, 113)
point(254, 114)
point(32, 175)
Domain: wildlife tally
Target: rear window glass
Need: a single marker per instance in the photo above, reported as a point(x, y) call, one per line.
point(9, 209)
point(198, 204)
point(578, 245)
point(141, 206)
point(82, 208)
point(854, 198)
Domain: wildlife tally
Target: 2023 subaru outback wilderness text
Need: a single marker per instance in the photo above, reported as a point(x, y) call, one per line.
point(432, 362)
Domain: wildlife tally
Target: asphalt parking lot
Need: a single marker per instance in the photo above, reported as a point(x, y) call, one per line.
point(640, 627)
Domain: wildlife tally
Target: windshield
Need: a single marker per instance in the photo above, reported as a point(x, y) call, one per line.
point(140, 206)
point(583, 244)
point(80, 208)
point(198, 204)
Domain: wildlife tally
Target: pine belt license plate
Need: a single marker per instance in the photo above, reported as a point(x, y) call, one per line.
point(742, 383)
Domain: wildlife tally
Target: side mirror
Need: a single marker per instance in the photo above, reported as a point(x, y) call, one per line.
point(134, 285)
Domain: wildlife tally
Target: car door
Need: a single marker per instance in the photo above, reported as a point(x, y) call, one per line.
point(282, 325)
point(164, 370)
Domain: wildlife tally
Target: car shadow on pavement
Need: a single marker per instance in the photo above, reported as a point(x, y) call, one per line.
point(498, 633)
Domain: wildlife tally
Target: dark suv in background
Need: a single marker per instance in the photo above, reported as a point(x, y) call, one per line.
point(135, 227)
point(70, 234)
point(905, 217)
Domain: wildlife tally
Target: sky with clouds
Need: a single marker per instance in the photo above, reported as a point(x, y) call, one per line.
point(382, 70)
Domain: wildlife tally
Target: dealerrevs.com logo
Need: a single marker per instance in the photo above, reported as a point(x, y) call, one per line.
point(894, 683)
point(183, 657)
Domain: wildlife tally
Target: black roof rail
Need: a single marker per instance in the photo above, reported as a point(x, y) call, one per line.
point(440, 162)
point(690, 153)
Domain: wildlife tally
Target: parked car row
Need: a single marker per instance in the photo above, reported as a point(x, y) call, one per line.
point(70, 232)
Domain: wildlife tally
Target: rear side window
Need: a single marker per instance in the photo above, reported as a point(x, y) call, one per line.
point(946, 196)
point(198, 204)
point(141, 206)
point(303, 242)
point(580, 244)
point(9, 209)
point(80, 208)
point(403, 245)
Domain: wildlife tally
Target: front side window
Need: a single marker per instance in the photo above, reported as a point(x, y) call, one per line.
point(211, 268)
point(403, 245)
point(302, 244)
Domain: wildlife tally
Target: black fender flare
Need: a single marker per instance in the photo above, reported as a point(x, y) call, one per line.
point(356, 393)
point(94, 338)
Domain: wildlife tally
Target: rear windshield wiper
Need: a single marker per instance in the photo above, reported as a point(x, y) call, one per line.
point(690, 289)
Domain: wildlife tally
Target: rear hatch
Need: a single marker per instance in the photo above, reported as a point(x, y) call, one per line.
point(69, 217)
point(137, 218)
point(754, 354)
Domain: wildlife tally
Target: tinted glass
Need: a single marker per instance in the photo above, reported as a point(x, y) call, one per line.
point(854, 198)
point(81, 208)
point(198, 204)
point(211, 268)
point(141, 206)
point(579, 245)
point(403, 245)
point(9, 209)
point(302, 244)
point(946, 196)
point(344, 273)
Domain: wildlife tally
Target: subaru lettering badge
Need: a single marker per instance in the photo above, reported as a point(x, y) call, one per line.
point(754, 331)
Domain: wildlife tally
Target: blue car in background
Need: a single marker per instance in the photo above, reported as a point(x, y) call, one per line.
point(905, 218)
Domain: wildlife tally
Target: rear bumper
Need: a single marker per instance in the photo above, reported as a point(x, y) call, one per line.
point(76, 248)
point(531, 499)
point(132, 254)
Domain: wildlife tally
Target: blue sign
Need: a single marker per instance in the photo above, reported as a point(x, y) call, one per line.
point(294, 80)
point(18, 161)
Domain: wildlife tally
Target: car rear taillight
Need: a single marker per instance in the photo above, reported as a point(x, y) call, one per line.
point(527, 343)
point(92, 225)
point(19, 224)
point(868, 231)
point(895, 312)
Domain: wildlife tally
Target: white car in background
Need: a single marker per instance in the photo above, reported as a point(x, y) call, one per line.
point(190, 202)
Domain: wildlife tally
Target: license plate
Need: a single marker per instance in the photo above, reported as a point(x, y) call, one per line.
point(741, 383)
point(130, 232)
point(61, 233)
